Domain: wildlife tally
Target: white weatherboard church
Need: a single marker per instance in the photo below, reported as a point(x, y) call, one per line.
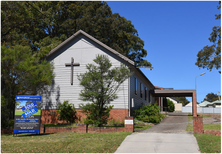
point(70, 59)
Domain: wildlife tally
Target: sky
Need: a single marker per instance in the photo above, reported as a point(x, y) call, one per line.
point(173, 33)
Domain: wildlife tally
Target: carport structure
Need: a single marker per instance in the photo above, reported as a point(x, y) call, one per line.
point(197, 121)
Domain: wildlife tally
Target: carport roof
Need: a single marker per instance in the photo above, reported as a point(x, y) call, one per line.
point(174, 92)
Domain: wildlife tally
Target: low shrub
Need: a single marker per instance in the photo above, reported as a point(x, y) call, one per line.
point(149, 113)
point(95, 115)
point(113, 122)
point(67, 112)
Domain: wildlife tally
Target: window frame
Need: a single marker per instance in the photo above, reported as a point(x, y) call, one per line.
point(145, 91)
point(141, 90)
point(136, 87)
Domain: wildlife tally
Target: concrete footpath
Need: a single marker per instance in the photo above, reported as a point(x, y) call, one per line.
point(169, 136)
point(159, 143)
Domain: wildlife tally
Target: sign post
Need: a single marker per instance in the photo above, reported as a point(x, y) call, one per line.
point(27, 114)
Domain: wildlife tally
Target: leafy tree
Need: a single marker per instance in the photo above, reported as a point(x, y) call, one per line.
point(170, 105)
point(66, 112)
point(210, 56)
point(22, 71)
point(44, 24)
point(183, 100)
point(100, 84)
point(210, 97)
point(92, 110)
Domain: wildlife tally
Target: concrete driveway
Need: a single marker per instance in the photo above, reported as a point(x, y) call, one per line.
point(169, 136)
point(173, 123)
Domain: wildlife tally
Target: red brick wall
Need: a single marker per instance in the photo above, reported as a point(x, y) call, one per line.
point(129, 127)
point(60, 129)
point(119, 114)
point(49, 118)
point(198, 124)
point(213, 132)
point(42, 128)
point(105, 129)
point(6, 131)
point(82, 128)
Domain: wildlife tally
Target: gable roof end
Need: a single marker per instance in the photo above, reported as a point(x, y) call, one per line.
point(93, 39)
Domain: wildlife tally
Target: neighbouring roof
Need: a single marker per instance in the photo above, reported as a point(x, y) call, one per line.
point(174, 99)
point(204, 103)
point(216, 102)
point(156, 87)
point(191, 104)
point(101, 44)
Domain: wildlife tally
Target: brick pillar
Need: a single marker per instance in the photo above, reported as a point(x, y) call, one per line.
point(82, 128)
point(42, 128)
point(198, 124)
point(129, 124)
point(194, 104)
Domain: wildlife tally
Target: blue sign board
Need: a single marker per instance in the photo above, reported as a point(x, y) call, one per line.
point(28, 98)
point(29, 113)
point(26, 120)
point(26, 131)
point(29, 106)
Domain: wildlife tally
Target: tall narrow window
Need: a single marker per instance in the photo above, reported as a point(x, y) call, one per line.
point(145, 91)
point(141, 90)
point(136, 86)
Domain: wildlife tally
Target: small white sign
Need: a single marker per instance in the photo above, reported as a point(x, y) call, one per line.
point(129, 122)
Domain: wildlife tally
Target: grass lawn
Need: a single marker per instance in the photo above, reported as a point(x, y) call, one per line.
point(208, 143)
point(205, 126)
point(189, 126)
point(144, 127)
point(212, 126)
point(62, 143)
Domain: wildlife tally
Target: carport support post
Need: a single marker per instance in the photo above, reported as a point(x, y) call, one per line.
point(197, 121)
point(194, 104)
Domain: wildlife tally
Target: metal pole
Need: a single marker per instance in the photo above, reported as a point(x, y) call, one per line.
point(196, 83)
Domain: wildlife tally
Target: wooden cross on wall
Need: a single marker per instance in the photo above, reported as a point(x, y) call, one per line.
point(72, 64)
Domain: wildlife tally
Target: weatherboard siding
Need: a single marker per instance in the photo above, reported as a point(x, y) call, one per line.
point(83, 50)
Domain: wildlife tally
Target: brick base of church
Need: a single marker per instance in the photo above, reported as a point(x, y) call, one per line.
point(49, 116)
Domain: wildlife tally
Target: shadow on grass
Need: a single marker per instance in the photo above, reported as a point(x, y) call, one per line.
point(25, 135)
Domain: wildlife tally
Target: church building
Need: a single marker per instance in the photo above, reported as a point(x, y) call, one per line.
point(70, 59)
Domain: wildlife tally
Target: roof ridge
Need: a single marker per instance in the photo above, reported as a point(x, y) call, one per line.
point(93, 39)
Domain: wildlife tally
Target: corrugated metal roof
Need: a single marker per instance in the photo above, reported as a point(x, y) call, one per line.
point(205, 103)
point(217, 101)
